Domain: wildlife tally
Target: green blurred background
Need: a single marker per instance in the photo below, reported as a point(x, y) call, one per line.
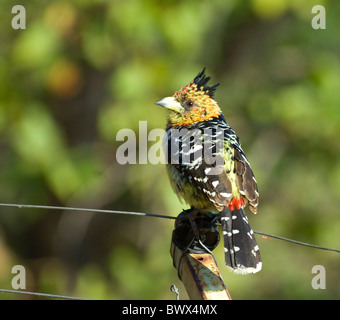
point(83, 70)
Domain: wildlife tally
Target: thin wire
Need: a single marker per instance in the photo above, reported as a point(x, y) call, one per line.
point(185, 251)
point(32, 206)
point(296, 242)
point(174, 289)
point(207, 250)
point(41, 294)
point(29, 206)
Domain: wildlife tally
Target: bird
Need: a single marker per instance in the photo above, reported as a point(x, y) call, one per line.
point(208, 169)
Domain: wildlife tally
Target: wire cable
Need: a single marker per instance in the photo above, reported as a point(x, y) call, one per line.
point(31, 206)
point(49, 295)
point(296, 242)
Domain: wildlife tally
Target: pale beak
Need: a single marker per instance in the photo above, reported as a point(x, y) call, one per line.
point(171, 104)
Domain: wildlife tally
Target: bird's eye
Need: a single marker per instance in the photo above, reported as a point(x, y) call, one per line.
point(190, 103)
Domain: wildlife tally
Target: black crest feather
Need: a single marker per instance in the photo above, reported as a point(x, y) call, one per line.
point(201, 80)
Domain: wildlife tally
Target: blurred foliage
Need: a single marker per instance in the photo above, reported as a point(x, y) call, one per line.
point(83, 70)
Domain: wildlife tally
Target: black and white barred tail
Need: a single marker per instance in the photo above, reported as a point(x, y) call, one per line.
point(241, 250)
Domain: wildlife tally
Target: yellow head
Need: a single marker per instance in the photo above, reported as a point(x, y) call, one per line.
point(192, 103)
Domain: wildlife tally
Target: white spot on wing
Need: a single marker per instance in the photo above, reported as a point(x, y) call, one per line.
point(225, 218)
point(207, 170)
point(225, 194)
point(215, 183)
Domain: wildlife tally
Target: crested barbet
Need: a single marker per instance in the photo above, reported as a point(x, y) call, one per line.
point(209, 170)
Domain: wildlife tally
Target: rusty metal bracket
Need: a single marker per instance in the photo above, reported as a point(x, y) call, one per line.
point(194, 261)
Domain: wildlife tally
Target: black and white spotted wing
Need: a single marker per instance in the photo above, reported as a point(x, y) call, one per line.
point(204, 154)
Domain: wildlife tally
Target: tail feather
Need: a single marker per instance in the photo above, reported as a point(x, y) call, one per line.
point(240, 246)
